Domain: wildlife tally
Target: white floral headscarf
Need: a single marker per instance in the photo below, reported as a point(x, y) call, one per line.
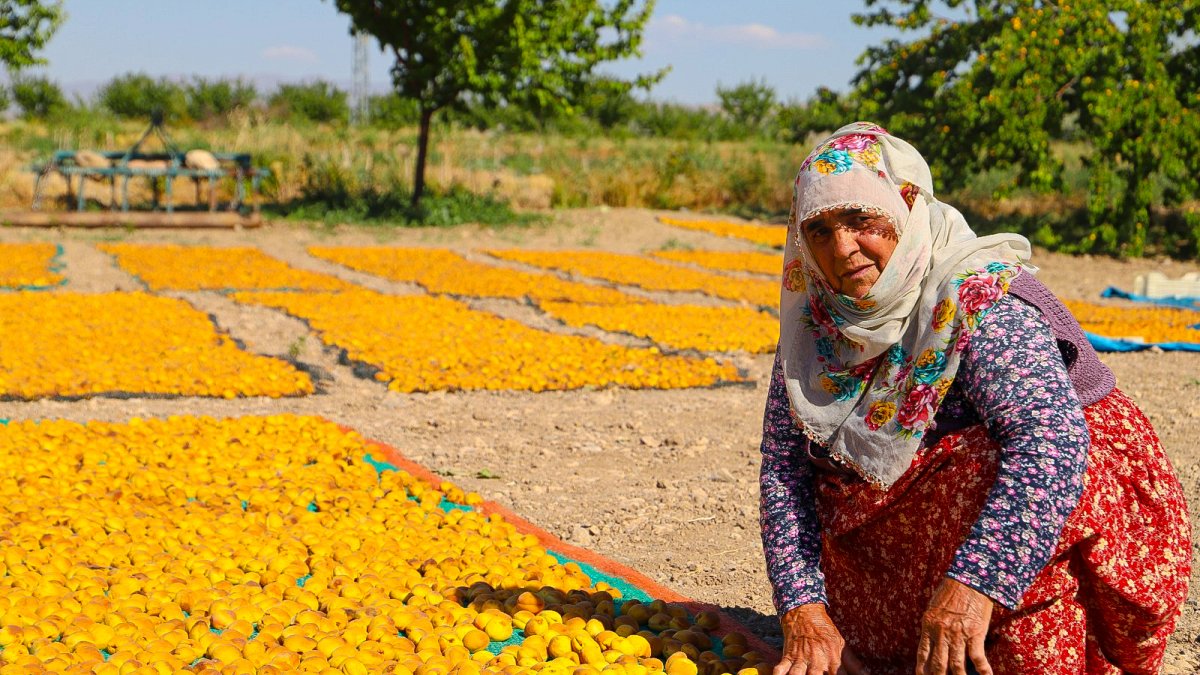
point(865, 376)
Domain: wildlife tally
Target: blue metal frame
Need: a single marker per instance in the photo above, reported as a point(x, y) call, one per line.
point(247, 177)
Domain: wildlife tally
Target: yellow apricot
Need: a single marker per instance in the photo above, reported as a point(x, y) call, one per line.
point(678, 664)
point(499, 630)
point(559, 646)
point(634, 645)
point(476, 640)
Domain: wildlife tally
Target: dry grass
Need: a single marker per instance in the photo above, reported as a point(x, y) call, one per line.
point(527, 170)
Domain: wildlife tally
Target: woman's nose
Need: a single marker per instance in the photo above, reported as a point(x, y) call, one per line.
point(845, 243)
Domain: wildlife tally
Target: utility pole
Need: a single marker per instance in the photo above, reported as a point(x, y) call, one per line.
point(362, 85)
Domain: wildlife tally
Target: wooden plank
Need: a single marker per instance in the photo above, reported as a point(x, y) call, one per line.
point(137, 219)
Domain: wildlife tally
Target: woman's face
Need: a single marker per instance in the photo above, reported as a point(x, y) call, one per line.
point(851, 247)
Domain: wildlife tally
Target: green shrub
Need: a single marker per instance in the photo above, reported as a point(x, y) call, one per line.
point(390, 111)
point(138, 96)
point(334, 194)
point(609, 106)
point(749, 106)
point(825, 112)
point(671, 120)
point(748, 183)
point(38, 98)
point(317, 101)
point(211, 99)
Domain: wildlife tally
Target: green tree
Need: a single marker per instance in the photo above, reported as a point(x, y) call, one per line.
point(748, 105)
point(609, 104)
point(25, 28)
point(208, 99)
point(993, 83)
point(825, 111)
point(137, 95)
point(537, 54)
point(38, 97)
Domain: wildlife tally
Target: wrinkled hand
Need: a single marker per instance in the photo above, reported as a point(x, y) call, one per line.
point(953, 630)
point(812, 645)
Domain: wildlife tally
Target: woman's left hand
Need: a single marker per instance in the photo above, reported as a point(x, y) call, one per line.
point(953, 630)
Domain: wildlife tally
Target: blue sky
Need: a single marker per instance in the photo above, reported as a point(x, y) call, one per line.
point(795, 45)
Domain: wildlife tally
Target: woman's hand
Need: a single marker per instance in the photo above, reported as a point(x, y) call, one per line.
point(953, 630)
point(812, 645)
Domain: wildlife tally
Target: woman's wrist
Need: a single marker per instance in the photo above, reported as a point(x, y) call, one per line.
point(808, 610)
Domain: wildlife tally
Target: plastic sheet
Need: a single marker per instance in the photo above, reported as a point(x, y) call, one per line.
point(1172, 301)
point(1106, 344)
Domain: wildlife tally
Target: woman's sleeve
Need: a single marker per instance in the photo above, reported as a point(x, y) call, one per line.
point(1013, 374)
point(791, 535)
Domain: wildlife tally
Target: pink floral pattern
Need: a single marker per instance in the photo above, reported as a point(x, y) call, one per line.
point(819, 313)
point(918, 408)
point(840, 153)
point(853, 142)
point(979, 291)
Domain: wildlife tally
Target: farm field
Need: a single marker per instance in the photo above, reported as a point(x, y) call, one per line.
point(661, 478)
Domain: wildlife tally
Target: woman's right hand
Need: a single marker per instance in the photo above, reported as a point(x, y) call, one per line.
point(812, 645)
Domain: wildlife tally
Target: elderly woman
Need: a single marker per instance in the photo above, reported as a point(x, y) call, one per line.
point(950, 479)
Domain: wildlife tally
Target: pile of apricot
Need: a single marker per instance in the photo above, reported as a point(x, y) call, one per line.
point(28, 265)
point(635, 270)
point(270, 545)
point(422, 343)
point(75, 344)
point(1141, 323)
point(767, 235)
point(445, 272)
point(193, 267)
point(728, 261)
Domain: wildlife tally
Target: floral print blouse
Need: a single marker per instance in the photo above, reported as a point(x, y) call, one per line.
point(1012, 379)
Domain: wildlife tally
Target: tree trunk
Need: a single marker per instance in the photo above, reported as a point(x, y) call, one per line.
point(422, 152)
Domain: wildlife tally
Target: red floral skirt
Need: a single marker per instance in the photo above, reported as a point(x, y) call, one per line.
point(1107, 601)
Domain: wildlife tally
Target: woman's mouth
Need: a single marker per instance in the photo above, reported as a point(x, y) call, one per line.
point(857, 272)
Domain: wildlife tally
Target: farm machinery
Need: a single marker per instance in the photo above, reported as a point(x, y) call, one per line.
point(163, 169)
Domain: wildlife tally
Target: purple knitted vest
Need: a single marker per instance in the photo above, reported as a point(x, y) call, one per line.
point(1092, 379)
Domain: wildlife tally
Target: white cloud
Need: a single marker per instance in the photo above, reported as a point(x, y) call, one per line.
point(290, 53)
point(673, 27)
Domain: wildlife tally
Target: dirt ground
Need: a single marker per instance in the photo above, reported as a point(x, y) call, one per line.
point(663, 481)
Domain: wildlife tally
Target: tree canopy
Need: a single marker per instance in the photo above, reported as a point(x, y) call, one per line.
point(749, 104)
point(991, 83)
point(539, 54)
point(25, 28)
